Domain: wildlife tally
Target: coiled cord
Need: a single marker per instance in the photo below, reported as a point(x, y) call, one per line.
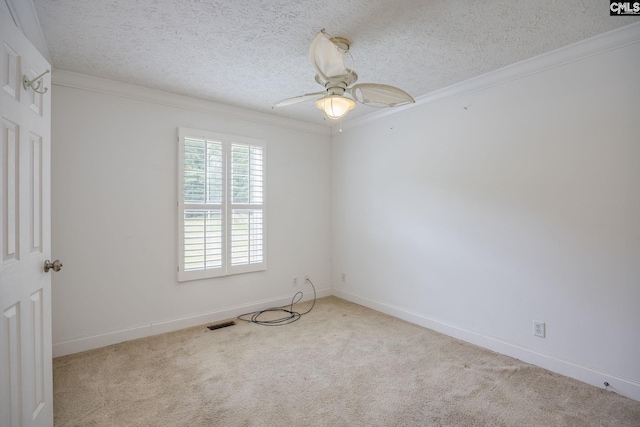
point(290, 315)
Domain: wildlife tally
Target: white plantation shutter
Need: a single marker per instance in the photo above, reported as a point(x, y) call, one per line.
point(246, 188)
point(203, 214)
point(221, 205)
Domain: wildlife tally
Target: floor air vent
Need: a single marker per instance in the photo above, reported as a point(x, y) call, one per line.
point(221, 325)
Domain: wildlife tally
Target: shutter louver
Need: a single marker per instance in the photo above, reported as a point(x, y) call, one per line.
point(246, 236)
point(203, 193)
point(246, 205)
point(221, 184)
point(202, 239)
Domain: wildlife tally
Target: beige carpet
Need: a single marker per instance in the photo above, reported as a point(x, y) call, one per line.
point(340, 365)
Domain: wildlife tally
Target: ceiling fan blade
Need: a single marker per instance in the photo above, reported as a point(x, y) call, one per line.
point(301, 98)
point(377, 95)
point(327, 58)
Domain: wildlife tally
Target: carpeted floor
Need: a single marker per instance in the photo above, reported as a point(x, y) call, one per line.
point(340, 365)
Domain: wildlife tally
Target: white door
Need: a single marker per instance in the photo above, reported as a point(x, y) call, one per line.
point(26, 392)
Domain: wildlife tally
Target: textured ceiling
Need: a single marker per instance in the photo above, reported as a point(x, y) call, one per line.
point(253, 53)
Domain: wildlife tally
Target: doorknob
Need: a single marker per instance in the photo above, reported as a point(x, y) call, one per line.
point(55, 265)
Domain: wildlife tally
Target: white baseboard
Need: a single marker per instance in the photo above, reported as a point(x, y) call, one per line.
point(80, 344)
point(568, 368)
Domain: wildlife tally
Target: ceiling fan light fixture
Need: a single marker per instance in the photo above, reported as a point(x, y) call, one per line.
point(335, 106)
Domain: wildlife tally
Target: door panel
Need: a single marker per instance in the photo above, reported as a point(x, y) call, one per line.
point(36, 192)
point(25, 215)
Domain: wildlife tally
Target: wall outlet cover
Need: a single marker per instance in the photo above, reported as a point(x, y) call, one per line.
point(538, 329)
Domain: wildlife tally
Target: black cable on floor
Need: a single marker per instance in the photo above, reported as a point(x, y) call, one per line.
point(290, 315)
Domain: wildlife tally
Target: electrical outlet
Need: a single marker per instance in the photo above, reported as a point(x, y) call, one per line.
point(294, 282)
point(306, 277)
point(538, 329)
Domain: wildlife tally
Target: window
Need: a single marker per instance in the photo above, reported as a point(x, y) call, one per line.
point(221, 211)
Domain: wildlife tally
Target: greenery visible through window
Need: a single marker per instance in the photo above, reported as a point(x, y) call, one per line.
point(222, 219)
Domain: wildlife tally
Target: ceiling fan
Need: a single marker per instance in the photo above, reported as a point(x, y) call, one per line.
point(327, 56)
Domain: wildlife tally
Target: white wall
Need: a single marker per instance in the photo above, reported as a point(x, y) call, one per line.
point(476, 214)
point(114, 214)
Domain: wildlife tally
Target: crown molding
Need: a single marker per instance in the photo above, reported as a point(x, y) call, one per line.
point(610, 40)
point(125, 90)
point(24, 15)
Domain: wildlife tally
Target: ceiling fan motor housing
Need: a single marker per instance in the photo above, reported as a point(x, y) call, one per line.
point(343, 80)
point(334, 88)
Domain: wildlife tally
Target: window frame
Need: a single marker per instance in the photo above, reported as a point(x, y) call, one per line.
point(226, 206)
